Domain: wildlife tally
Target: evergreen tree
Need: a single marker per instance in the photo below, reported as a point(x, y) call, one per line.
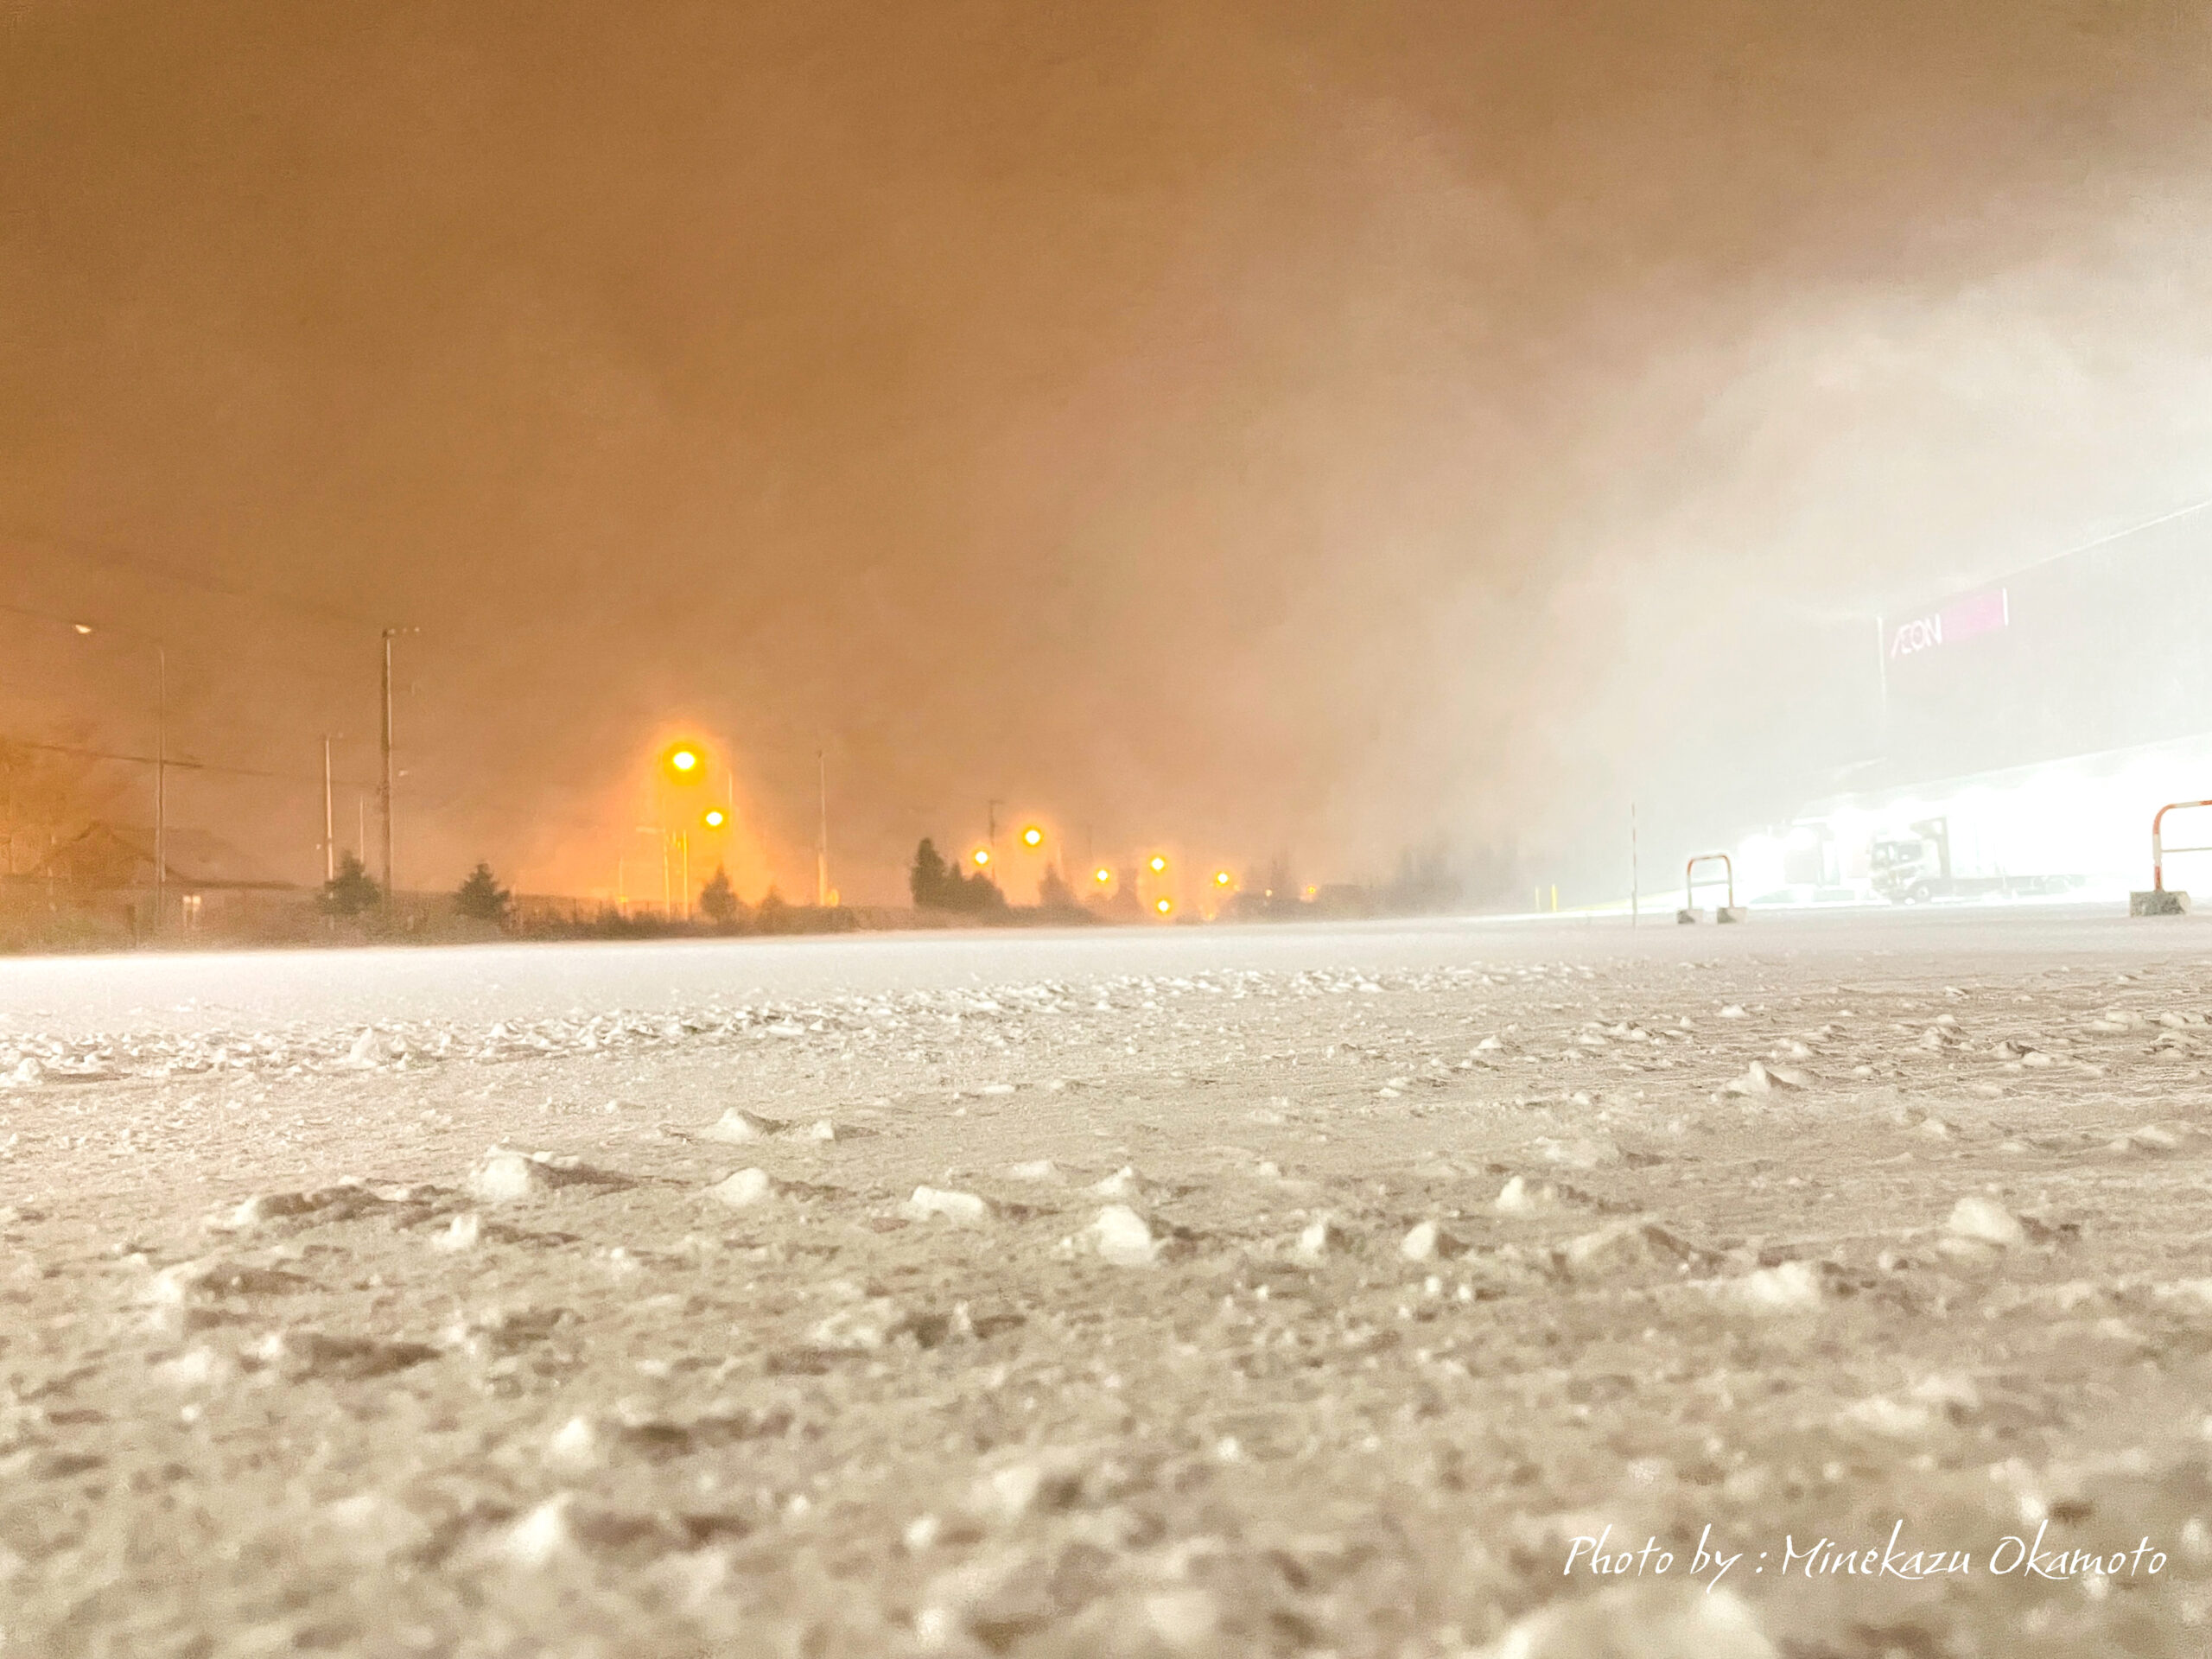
point(480, 897)
point(926, 880)
point(717, 900)
point(772, 914)
point(1052, 893)
point(353, 890)
point(983, 893)
point(937, 885)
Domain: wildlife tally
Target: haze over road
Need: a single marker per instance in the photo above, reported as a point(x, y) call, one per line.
point(194, 991)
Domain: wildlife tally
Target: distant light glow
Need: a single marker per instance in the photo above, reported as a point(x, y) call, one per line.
point(82, 627)
point(715, 817)
point(1032, 836)
point(1220, 878)
point(683, 760)
point(982, 856)
point(1101, 875)
point(1163, 906)
point(1158, 863)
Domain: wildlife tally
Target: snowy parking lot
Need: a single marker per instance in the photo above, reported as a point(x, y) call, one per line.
point(1833, 1286)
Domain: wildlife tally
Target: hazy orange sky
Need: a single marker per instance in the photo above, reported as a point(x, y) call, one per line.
point(1314, 429)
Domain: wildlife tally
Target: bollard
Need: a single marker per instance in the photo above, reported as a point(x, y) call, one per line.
point(2160, 902)
point(1689, 914)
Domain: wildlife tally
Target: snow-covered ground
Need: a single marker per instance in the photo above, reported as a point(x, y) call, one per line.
point(1186, 1291)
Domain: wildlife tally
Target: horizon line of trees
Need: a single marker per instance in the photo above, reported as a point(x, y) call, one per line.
point(937, 885)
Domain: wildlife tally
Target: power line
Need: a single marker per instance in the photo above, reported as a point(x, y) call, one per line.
point(2117, 536)
point(187, 766)
point(2101, 541)
point(115, 557)
point(320, 669)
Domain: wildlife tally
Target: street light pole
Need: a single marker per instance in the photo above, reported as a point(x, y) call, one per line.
point(161, 758)
point(160, 786)
point(821, 841)
point(330, 827)
point(386, 792)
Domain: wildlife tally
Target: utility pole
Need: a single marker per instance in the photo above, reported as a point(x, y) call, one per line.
point(991, 837)
point(330, 827)
point(822, 839)
point(1635, 902)
point(384, 794)
point(161, 787)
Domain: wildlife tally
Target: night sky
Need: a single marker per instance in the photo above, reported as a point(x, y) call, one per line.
point(1258, 428)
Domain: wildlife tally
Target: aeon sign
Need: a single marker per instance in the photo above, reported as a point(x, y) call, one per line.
point(1978, 613)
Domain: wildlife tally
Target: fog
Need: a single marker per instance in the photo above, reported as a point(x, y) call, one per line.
point(1258, 430)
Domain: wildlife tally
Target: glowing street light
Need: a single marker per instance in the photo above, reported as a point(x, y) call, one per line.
point(1220, 878)
point(714, 817)
point(982, 856)
point(1163, 906)
point(1101, 875)
point(685, 764)
point(1033, 837)
point(1159, 862)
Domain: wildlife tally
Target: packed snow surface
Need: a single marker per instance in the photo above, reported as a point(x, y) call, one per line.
point(1353, 1290)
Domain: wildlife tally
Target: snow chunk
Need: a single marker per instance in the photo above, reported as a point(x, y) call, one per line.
point(1121, 1184)
point(1788, 1287)
point(575, 1442)
point(1183, 1620)
point(462, 1233)
point(1043, 1170)
point(1321, 1239)
point(1649, 1621)
point(1518, 1198)
point(1009, 1494)
point(196, 1368)
point(743, 1189)
point(503, 1176)
point(1627, 1244)
point(1893, 1419)
point(1425, 1241)
point(735, 1127)
point(861, 1328)
point(963, 1209)
point(1122, 1238)
point(1583, 1151)
point(1986, 1221)
point(543, 1536)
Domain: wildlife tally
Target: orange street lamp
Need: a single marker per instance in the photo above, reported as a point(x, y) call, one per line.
point(982, 856)
point(1163, 906)
point(685, 764)
point(714, 817)
point(1220, 878)
point(1101, 875)
point(1033, 837)
point(1158, 863)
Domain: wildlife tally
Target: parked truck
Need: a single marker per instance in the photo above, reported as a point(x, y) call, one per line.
point(1914, 869)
